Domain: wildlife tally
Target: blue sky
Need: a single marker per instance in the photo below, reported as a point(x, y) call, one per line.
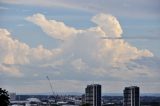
point(69, 49)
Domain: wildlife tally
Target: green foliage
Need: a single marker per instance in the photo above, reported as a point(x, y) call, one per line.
point(86, 104)
point(4, 97)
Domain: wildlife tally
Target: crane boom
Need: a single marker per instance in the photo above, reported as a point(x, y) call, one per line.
point(50, 85)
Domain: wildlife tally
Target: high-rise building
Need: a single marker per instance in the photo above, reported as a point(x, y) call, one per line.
point(93, 95)
point(83, 100)
point(131, 96)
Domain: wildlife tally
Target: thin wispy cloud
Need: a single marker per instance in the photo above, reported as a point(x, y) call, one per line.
point(141, 9)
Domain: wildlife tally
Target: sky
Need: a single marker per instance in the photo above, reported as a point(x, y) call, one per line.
point(64, 40)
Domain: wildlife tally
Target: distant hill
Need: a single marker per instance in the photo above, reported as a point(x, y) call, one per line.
point(48, 93)
point(151, 94)
point(142, 94)
point(78, 93)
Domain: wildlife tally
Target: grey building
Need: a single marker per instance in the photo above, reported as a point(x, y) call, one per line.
point(83, 100)
point(93, 95)
point(131, 96)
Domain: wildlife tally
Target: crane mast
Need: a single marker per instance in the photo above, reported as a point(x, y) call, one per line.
point(50, 85)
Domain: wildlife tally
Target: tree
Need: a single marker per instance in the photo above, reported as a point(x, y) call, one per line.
point(86, 104)
point(4, 97)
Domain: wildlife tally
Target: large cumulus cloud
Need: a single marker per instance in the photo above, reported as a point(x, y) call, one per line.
point(81, 58)
point(53, 28)
point(85, 51)
point(14, 52)
point(109, 24)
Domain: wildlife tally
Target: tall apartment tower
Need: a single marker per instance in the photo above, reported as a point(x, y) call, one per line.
point(131, 96)
point(93, 95)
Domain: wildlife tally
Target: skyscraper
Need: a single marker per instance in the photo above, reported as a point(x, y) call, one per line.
point(93, 95)
point(131, 96)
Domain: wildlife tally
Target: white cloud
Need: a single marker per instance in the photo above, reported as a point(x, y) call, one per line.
point(42, 54)
point(53, 28)
point(78, 64)
point(16, 52)
point(119, 51)
point(86, 51)
point(12, 51)
point(83, 55)
point(83, 50)
point(109, 24)
point(10, 70)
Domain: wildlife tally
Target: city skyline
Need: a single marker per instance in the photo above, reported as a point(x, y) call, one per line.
point(76, 43)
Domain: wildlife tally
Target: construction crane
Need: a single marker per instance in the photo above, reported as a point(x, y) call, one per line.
point(50, 85)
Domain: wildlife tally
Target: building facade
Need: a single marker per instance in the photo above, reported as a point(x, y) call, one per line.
point(83, 99)
point(131, 96)
point(93, 95)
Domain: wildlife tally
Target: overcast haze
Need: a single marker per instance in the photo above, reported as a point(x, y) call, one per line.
point(64, 40)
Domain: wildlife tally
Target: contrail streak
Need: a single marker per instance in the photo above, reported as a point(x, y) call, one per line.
point(136, 38)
